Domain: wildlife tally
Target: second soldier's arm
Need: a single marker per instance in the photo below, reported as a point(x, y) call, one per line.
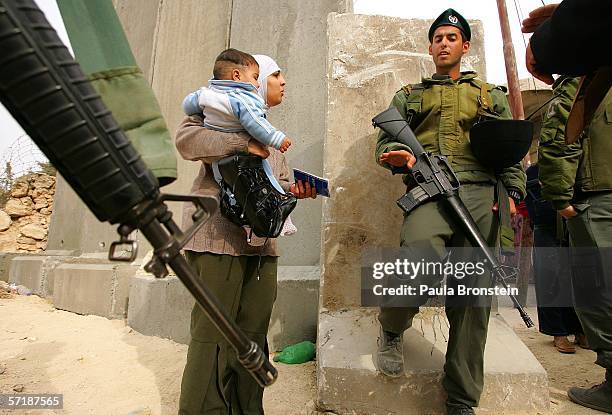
point(558, 160)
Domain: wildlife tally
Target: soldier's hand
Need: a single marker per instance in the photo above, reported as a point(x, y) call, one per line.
point(258, 149)
point(537, 17)
point(511, 204)
point(568, 212)
point(532, 67)
point(398, 158)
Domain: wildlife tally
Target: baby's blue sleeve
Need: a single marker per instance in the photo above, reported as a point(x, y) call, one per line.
point(191, 104)
point(253, 118)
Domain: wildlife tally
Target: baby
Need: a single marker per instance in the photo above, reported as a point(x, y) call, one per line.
point(233, 102)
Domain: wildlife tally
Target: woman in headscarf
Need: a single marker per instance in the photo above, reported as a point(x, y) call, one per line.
point(214, 382)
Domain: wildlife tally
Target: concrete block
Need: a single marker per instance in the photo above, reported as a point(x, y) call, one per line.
point(142, 35)
point(35, 272)
point(73, 226)
point(294, 317)
point(99, 289)
point(348, 381)
point(5, 264)
point(162, 307)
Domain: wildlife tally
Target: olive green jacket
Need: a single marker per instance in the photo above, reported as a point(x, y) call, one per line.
point(568, 171)
point(101, 47)
point(446, 109)
point(557, 160)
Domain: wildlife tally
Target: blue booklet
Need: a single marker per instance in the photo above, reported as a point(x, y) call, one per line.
point(321, 184)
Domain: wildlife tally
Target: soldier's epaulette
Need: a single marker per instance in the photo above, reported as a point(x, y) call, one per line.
point(408, 88)
point(489, 87)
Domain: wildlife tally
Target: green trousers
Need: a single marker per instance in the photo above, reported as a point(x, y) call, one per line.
point(432, 227)
point(214, 382)
point(592, 271)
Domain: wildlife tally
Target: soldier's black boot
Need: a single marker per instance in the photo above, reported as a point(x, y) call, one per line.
point(390, 354)
point(459, 410)
point(597, 397)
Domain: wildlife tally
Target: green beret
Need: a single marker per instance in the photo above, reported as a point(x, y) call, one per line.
point(450, 17)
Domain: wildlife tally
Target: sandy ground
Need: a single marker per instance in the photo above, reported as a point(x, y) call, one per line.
point(103, 367)
point(564, 370)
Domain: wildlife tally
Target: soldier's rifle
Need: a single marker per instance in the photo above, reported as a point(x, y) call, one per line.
point(435, 180)
point(45, 90)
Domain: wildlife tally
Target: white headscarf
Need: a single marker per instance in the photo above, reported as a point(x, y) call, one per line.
point(267, 66)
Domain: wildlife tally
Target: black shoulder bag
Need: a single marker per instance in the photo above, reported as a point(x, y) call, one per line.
point(249, 198)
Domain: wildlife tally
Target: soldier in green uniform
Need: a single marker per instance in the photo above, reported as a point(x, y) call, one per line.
point(576, 172)
point(577, 179)
point(556, 316)
point(446, 106)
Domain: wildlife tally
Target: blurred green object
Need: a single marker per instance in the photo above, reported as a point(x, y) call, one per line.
point(297, 353)
point(102, 49)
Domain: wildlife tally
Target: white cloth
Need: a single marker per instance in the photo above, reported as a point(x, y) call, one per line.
point(267, 66)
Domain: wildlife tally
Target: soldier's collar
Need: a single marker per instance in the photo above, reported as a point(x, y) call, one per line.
point(441, 79)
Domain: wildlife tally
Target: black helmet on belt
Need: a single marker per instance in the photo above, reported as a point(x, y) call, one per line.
point(498, 144)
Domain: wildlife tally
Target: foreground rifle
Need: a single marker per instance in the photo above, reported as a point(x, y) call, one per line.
point(48, 94)
point(434, 180)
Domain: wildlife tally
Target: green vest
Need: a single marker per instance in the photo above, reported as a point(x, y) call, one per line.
point(445, 110)
point(448, 109)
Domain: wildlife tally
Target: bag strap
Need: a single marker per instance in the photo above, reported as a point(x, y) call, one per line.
point(268, 170)
point(221, 183)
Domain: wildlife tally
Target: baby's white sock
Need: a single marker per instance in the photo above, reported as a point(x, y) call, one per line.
point(288, 227)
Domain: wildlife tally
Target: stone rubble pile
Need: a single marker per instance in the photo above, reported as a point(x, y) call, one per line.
point(25, 218)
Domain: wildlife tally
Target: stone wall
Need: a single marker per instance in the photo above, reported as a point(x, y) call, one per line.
point(24, 220)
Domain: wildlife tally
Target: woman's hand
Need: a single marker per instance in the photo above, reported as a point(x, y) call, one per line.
point(258, 149)
point(530, 25)
point(303, 190)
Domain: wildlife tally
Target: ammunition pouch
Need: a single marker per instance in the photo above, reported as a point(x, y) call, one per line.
point(413, 198)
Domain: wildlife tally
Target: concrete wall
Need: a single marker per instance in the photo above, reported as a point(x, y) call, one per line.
point(370, 58)
point(175, 43)
point(293, 32)
point(191, 34)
